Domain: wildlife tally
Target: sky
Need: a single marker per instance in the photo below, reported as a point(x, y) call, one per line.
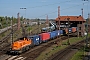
point(42, 8)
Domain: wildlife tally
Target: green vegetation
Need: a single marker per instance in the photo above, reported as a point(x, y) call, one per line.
point(4, 34)
point(79, 55)
point(49, 52)
point(54, 49)
point(29, 28)
point(6, 21)
point(82, 52)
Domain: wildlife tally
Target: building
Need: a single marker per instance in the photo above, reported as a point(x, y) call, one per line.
point(71, 21)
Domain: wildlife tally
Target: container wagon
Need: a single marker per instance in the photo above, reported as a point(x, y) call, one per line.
point(74, 29)
point(52, 34)
point(44, 37)
point(70, 30)
point(35, 39)
point(61, 32)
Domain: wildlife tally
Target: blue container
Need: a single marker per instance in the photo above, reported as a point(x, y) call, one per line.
point(61, 32)
point(76, 28)
point(57, 33)
point(70, 30)
point(52, 34)
point(36, 39)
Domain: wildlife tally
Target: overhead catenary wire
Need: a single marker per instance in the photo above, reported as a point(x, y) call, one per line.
point(60, 10)
point(50, 4)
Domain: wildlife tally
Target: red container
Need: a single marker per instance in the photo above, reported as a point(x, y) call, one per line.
point(74, 29)
point(44, 37)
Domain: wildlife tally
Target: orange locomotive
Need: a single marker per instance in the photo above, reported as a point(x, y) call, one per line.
point(21, 46)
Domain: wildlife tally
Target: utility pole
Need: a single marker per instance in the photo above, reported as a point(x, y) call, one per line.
point(18, 23)
point(38, 26)
point(82, 12)
point(11, 32)
point(87, 31)
point(59, 17)
point(59, 23)
point(58, 11)
point(47, 22)
point(29, 26)
point(87, 27)
point(68, 31)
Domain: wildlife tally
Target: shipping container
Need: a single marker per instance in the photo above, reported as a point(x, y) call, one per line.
point(44, 37)
point(74, 29)
point(36, 39)
point(57, 33)
point(61, 32)
point(70, 30)
point(52, 34)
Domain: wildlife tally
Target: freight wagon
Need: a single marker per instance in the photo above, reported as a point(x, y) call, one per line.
point(74, 29)
point(44, 37)
point(52, 34)
point(61, 32)
point(26, 43)
point(35, 39)
point(71, 30)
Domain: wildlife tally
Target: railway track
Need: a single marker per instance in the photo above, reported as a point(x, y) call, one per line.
point(4, 44)
point(8, 36)
point(7, 28)
point(33, 52)
point(68, 52)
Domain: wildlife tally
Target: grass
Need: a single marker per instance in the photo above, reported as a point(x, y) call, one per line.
point(73, 40)
point(54, 49)
point(78, 55)
point(83, 51)
point(4, 34)
point(18, 33)
point(49, 52)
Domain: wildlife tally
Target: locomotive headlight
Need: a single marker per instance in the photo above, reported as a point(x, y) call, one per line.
point(37, 39)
